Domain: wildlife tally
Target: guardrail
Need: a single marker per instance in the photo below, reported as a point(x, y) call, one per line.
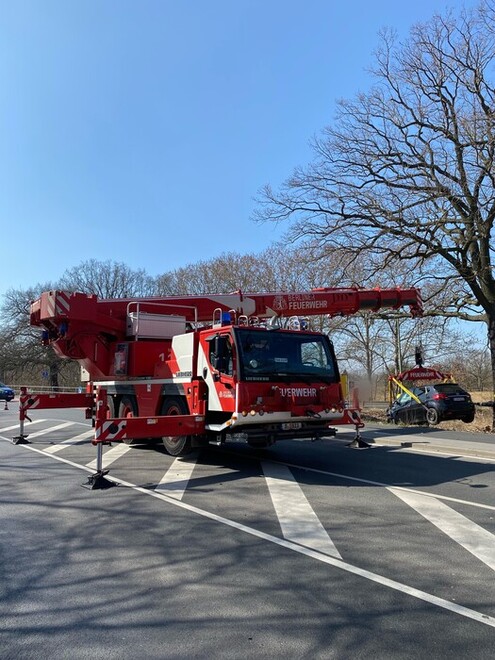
point(47, 389)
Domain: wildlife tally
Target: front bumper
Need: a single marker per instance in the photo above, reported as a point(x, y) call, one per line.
point(282, 432)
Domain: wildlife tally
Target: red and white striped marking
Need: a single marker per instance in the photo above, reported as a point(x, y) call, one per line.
point(59, 304)
point(110, 431)
point(29, 402)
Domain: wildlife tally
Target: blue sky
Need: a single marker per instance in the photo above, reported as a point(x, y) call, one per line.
point(141, 131)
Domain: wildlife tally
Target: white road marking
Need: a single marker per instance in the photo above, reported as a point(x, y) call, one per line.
point(326, 559)
point(64, 425)
point(71, 441)
point(298, 522)
point(174, 481)
point(111, 455)
point(17, 426)
point(420, 445)
point(435, 496)
point(463, 531)
point(465, 458)
point(455, 456)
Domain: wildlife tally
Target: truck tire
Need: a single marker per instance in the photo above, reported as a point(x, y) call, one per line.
point(111, 407)
point(128, 408)
point(179, 445)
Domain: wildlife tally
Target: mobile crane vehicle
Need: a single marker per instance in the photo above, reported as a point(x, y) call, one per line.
point(205, 369)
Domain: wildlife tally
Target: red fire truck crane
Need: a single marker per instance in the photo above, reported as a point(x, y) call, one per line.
point(195, 370)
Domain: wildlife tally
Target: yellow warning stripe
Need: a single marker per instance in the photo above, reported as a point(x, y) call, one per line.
point(407, 391)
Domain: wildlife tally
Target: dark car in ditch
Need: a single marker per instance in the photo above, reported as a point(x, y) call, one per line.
point(432, 404)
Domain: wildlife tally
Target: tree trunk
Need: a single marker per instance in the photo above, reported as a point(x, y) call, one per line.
point(398, 348)
point(369, 356)
point(491, 344)
point(53, 375)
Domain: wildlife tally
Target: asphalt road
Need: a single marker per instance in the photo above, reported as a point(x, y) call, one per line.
point(306, 550)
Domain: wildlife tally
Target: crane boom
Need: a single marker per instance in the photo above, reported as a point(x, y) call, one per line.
point(54, 307)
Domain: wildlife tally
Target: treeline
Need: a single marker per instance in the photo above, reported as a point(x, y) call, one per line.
point(369, 346)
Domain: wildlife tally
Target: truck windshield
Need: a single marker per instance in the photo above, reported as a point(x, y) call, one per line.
point(285, 355)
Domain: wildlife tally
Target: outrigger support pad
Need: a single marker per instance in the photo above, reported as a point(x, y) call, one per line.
point(358, 442)
point(97, 481)
point(20, 440)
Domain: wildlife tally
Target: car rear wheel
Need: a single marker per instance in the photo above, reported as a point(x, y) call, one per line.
point(432, 416)
point(468, 418)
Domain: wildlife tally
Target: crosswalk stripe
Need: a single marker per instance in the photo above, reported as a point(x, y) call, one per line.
point(174, 481)
point(111, 455)
point(16, 426)
point(71, 441)
point(36, 434)
point(399, 587)
point(298, 521)
point(463, 531)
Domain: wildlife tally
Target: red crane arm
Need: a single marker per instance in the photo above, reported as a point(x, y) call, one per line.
point(56, 307)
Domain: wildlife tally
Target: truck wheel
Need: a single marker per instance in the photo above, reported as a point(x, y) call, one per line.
point(128, 408)
point(432, 416)
point(179, 445)
point(111, 407)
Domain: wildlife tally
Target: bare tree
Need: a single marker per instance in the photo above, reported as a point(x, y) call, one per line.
point(407, 171)
point(473, 368)
point(108, 279)
point(278, 268)
point(23, 360)
point(228, 272)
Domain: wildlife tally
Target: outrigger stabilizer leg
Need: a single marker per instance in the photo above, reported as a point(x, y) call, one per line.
point(21, 439)
point(97, 481)
point(358, 442)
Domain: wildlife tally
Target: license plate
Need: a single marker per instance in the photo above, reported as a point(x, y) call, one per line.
point(459, 398)
point(291, 426)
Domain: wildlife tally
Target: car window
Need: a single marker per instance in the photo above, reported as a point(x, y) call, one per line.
point(405, 397)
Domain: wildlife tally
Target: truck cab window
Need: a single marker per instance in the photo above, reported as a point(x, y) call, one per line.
point(228, 361)
point(221, 355)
